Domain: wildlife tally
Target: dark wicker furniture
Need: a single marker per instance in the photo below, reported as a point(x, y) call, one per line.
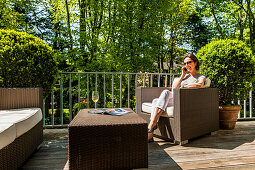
point(107, 142)
point(15, 154)
point(196, 112)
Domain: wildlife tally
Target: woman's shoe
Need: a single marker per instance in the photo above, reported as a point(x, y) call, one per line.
point(151, 131)
point(151, 140)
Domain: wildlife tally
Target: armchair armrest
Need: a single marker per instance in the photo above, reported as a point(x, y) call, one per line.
point(147, 94)
point(196, 112)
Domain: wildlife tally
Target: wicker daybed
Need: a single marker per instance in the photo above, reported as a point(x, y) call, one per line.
point(21, 127)
point(195, 112)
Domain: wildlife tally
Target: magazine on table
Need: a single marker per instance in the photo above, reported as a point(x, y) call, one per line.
point(114, 112)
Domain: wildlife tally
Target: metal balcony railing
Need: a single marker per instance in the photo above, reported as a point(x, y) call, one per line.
point(115, 90)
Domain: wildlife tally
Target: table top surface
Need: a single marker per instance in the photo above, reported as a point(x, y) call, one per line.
point(83, 118)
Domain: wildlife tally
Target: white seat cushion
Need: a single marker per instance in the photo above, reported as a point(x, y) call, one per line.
point(24, 119)
point(207, 83)
point(7, 134)
point(147, 107)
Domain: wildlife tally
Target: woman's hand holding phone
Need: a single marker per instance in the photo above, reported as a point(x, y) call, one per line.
point(184, 71)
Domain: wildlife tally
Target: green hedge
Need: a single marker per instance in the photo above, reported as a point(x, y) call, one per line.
point(26, 61)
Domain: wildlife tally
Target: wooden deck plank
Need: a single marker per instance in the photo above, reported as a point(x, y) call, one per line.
point(233, 167)
point(215, 163)
point(211, 155)
point(227, 149)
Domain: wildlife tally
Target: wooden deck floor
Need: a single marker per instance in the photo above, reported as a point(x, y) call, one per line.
point(227, 149)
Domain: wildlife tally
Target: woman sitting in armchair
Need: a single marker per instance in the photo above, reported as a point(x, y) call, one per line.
point(190, 78)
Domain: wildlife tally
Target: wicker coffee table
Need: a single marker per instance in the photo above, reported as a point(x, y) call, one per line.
point(107, 142)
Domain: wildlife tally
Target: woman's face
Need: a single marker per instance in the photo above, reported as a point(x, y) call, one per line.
point(190, 64)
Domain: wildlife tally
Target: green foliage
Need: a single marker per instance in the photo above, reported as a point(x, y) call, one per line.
point(9, 18)
point(125, 36)
point(198, 33)
point(230, 66)
point(26, 61)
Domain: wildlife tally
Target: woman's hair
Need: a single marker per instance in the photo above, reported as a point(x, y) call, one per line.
point(193, 58)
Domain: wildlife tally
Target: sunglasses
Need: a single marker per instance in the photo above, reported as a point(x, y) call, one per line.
point(188, 62)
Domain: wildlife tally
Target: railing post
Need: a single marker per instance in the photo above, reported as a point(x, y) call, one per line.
point(143, 80)
point(244, 108)
point(171, 80)
point(96, 83)
point(61, 100)
point(158, 80)
point(70, 98)
point(151, 80)
point(120, 90)
point(135, 88)
point(250, 104)
point(128, 92)
point(96, 90)
point(239, 114)
point(166, 81)
point(43, 112)
point(87, 90)
point(104, 93)
point(79, 91)
point(112, 91)
point(52, 107)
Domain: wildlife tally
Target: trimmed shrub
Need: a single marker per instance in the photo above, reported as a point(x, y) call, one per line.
point(26, 61)
point(230, 65)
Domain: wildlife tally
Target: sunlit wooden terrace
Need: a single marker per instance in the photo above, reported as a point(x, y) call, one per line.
point(226, 149)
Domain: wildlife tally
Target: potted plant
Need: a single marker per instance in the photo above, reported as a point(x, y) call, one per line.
point(230, 66)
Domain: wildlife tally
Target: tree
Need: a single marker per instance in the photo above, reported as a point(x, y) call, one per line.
point(248, 7)
point(175, 16)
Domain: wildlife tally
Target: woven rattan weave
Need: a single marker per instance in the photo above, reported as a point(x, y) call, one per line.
point(107, 142)
point(15, 154)
point(196, 112)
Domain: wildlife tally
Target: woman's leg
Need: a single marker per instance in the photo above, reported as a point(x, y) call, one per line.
point(159, 106)
point(154, 121)
point(155, 118)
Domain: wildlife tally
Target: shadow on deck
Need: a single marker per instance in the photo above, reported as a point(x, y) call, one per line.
point(227, 149)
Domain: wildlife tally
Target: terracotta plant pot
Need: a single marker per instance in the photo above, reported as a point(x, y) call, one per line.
point(228, 116)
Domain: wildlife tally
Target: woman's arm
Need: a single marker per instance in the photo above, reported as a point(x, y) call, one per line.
point(184, 72)
point(200, 84)
point(178, 84)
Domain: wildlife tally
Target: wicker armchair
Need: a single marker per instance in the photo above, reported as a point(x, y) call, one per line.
point(195, 113)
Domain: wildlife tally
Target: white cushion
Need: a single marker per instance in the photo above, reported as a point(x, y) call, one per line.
point(207, 83)
point(24, 119)
point(7, 134)
point(147, 108)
